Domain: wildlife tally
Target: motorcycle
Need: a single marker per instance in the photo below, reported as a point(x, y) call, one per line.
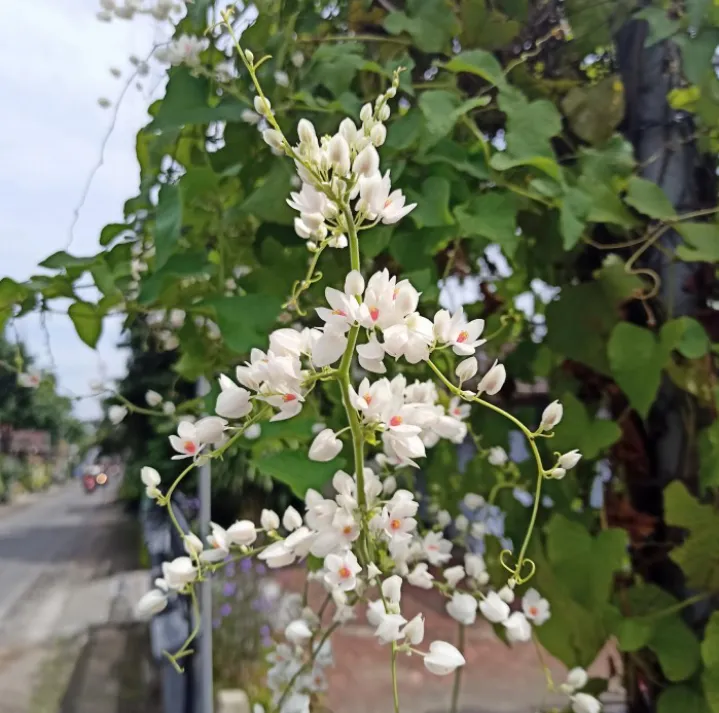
point(91, 481)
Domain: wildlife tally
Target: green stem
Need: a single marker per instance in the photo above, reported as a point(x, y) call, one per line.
point(458, 672)
point(354, 241)
point(395, 691)
point(675, 607)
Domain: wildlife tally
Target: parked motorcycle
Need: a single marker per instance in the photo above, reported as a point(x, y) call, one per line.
point(93, 479)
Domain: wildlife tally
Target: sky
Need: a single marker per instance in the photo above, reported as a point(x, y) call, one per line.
point(55, 60)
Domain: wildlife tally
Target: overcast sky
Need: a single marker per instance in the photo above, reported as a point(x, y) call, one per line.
point(55, 60)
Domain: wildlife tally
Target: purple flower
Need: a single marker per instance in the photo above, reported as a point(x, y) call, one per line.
point(261, 569)
point(264, 631)
point(246, 565)
point(267, 642)
point(229, 589)
point(215, 623)
point(225, 610)
point(230, 570)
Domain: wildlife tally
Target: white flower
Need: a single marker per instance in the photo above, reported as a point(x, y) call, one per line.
point(241, 532)
point(436, 548)
point(367, 162)
point(291, 520)
point(463, 608)
point(383, 203)
point(309, 200)
point(378, 134)
point(557, 473)
point(389, 485)
point(466, 369)
point(151, 603)
point(474, 565)
point(277, 555)
point(375, 612)
point(273, 139)
point(398, 517)
point(494, 609)
point(413, 630)
point(225, 71)
point(506, 594)
point(342, 570)
point(388, 629)
point(536, 608)
point(192, 544)
point(338, 152)
point(567, 461)
point(30, 380)
point(392, 591)
point(263, 106)
point(584, 703)
point(325, 446)
point(250, 117)
point(168, 408)
point(116, 414)
point(151, 480)
point(518, 628)
point(153, 398)
point(186, 442)
point(551, 416)
point(454, 575)
point(269, 520)
point(178, 573)
point(576, 678)
point(210, 429)
point(462, 335)
point(354, 283)
point(297, 631)
point(233, 401)
point(370, 356)
point(497, 456)
point(297, 59)
point(443, 658)
point(493, 380)
point(282, 78)
point(252, 432)
point(461, 523)
point(186, 49)
point(473, 501)
point(443, 518)
point(420, 577)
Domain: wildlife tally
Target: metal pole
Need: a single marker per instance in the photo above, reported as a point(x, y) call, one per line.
point(206, 693)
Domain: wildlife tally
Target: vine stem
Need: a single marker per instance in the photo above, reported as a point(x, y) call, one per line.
point(458, 672)
point(532, 443)
point(395, 690)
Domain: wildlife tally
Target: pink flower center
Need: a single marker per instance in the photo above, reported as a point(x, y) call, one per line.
point(368, 399)
point(339, 312)
point(463, 336)
point(347, 529)
point(395, 524)
point(374, 313)
point(533, 611)
point(388, 203)
point(395, 421)
point(289, 397)
point(456, 411)
point(395, 293)
point(189, 447)
point(344, 572)
point(433, 548)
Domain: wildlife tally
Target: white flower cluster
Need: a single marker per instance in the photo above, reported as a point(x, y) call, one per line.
point(577, 679)
point(127, 9)
point(186, 49)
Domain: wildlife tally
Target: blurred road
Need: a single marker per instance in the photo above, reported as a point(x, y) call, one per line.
point(63, 557)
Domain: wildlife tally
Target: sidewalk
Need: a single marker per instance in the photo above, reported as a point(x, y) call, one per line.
point(497, 678)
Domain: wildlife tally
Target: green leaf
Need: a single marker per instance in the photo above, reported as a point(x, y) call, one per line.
point(489, 28)
point(61, 260)
point(676, 647)
point(438, 107)
point(710, 684)
point(503, 162)
point(453, 154)
point(709, 456)
point(267, 202)
point(111, 231)
point(703, 242)
point(687, 336)
point(634, 633)
point(178, 265)
point(660, 25)
point(430, 23)
point(595, 110)
point(168, 223)
point(376, 240)
point(87, 320)
point(572, 217)
point(11, 292)
point(103, 278)
point(245, 320)
point(578, 430)
point(483, 64)
point(492, 216)
point(698, 556)
point(636, 361)
point(405, 131)
point(432, 210)
point(710, 645)
point(681, 699)
point(335, 66)
point(295, 469)
point(648, 198)
point(606, 206)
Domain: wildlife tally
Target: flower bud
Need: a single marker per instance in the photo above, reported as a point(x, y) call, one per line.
point(378, 134)
point(584, 703)
point(466, 369)
point(273, 138)
point(443, 658)
point(414, 630)
point(493, 380)
point(242, 532)
point(474, 565)
point(153, 398)
point(263, 106)
point(420, 577)
point(518, 628)
point(454, 575)
point(551, 416)
point(193, 544)
point(461, 523)
point(306, 132)
point(116, 414)
point(577, 678)
point(443, 518)
point(366, 112)
point(392, 589)
point(391, 92)
point(325, 447)
point(269, 520)
point(557, 473)
point(348, 130)
point(569, 460)
point(301, 229)
point(384, 112)
point(473, 501)
point(250, 56)
point(338, 151)
point(506, 594)
point(313, 220)
point(291, 519)
point(151, 603)
point(298, 632)
point(462, 608)
point(367, 162)
point(497, 456)
point(494, 609)
point(150, 477)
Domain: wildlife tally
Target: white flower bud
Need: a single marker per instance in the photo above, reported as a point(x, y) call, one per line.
point(389, 485)
point(577, 678)
point(506, 594)
point(569, 460)
point(392, 589)
point(378, 134)
point(473, 501)
point(153, 398)
point(557, 473)
point(273, 138)
point(497, 456)
point(366, 112)
point(518, 628)
point(384, 113)
point(338, 151)
point(250, 57)
point(116, 414)
point(325, 447)
point(373, 571)
point(584, 703)
point(297, 631)
point(367, 162)
point(454, 575)
point(414, 630)
point(466, 369)
point(313, 220)
point(493, 380)
point(263, 106)
point(494, 609)
point(291, 519)
point(301, 229)
point(269, 520)
point(461, 523)
point(306, 132)
point(348, 130)
point(462, 608)
point(298, 59)
point(551, 416)
point(443, 518)
point(354, 283)
point(193, 544)
point(151, 603)
point(443, 658)
point(391, 92)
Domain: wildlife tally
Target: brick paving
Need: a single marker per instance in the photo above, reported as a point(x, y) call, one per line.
point(497, 678)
